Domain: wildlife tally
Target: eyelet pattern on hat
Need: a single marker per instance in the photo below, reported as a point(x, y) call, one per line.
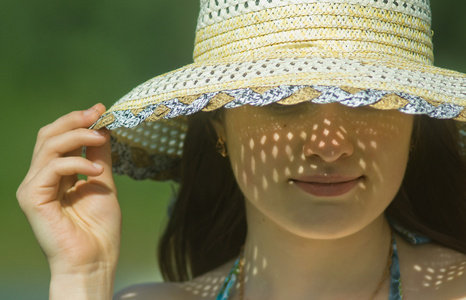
point(214, 11)
point(256, 52)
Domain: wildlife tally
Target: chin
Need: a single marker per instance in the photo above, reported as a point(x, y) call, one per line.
point(328, 223)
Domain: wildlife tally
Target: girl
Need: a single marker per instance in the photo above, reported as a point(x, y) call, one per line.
point(337, 175)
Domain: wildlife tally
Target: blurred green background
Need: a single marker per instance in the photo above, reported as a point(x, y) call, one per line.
point(59, 56)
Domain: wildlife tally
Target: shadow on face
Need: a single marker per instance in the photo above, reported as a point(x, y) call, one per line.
point(274, 147)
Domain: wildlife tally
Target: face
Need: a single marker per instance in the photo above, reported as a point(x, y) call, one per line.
point(320, 171)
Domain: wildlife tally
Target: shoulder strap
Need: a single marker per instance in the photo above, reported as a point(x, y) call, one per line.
point(395, 276)
point(227, 286)
point(412, 237)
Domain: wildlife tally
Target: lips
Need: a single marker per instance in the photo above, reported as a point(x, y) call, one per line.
point(327, 186)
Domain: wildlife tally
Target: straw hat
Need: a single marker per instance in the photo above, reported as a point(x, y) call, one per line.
point(355, 52)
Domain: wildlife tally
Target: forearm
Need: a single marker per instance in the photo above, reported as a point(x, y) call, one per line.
point(97, 285)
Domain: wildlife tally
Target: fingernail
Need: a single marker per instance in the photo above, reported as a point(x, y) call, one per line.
point(90, 111)
point(99, 132)
point(97, 166)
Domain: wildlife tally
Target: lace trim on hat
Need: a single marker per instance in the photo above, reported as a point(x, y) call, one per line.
point(138, 164)
point(159, 160)
point(329, 94)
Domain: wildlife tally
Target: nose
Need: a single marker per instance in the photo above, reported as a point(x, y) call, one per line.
point(328, 134)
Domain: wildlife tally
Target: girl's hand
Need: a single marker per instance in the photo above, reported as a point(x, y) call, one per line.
point(77, 223)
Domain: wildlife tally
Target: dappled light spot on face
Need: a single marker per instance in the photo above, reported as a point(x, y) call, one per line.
point(245, 178)
point(254, 271)
point(276, 137)
point(264, 156)
point(253, 165)
point(376, 168)
point(287, 172)
point(289, 136)
point(289, 153)
point(300, 170)
point(265, 183)
point(340, 135)
point(303, 156)
point(275, 151)
point(361, 145)
point(275, 175)
point(263, 139)
point(362, 185)
point(242, 153)
point(251, 144)
point(362, 164)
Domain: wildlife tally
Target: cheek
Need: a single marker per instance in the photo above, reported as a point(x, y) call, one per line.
point(260, 159)
point(384, 152)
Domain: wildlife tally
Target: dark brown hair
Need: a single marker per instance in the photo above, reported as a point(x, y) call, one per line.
point(208, 225)
point(432, 197)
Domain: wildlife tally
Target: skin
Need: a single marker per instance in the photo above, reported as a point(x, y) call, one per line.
point(279, 143)
point(307, 236)
point(323, 248)
point(77, 223)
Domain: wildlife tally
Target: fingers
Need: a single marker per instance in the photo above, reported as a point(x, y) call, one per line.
point(69, 143)
point(66, 136)
point(57, 156)
point(44, 186)
point(75, 222)
point(71, 121)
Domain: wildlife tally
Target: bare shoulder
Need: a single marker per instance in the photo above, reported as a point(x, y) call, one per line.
point(152, 290)
point(203, 287)
point(432, 271)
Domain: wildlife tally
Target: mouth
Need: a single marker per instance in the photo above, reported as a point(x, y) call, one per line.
point(324, 186)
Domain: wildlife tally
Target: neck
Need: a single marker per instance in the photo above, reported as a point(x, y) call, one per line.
point(278, 262)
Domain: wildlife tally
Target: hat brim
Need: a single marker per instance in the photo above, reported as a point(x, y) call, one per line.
point(380, 83)
point(436, 86)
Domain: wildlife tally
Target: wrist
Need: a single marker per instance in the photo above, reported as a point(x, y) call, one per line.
point(95, 284)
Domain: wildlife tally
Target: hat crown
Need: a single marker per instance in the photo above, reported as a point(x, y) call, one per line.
point(228, 29)
point(214, 11)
